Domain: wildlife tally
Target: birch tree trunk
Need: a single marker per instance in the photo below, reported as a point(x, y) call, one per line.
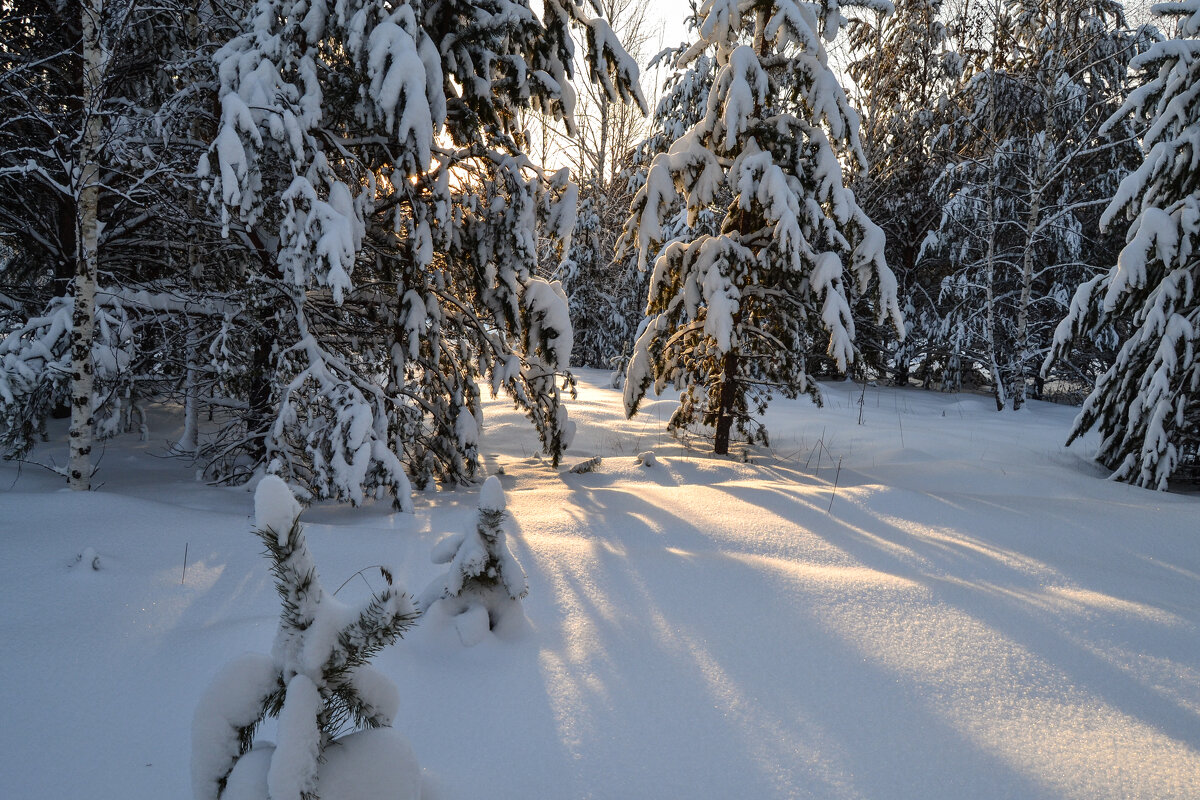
point(188, 440)
point(83, 319)
point(990, 264)
point(1033, 223)
point(1031, 232)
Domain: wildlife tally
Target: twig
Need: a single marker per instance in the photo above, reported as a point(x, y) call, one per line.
point(184, 577)
point(833, 494)
point(810, 454)
point(820, 443)
point(359, 574)
point(17, 477)
point(61, 471)
point(901, 422)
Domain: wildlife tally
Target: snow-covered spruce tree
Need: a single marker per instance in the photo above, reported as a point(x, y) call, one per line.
point(611, 315)
point(681, 105)
point(484, 582)
point(1147, 405)
point(317, 683)
point(1031, 171)
point(736, 316)
point(371, 153)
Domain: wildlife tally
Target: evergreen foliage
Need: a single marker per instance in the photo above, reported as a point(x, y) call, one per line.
point(605, 305)
point(415, 233)
point(681, 105)
point(483, 573)
point(904, 73)
point(317, 682)
point(1147, 404)
point(595, 283)
point(735, 316)
point(365, 262)
point(144, 102)
point(319, 229)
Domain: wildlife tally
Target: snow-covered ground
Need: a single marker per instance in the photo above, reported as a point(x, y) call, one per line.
point(971, 613)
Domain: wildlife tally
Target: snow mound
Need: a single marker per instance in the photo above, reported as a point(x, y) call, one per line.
point(248, 780)
point(294, 767)
point(275, 508)
point(375, 764)
point(472, 625)
point(491, 496)
point(230, 703)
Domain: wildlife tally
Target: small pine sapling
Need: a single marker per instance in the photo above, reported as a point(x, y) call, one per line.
point(586, 466)
point(485, 582)
point(316, 683)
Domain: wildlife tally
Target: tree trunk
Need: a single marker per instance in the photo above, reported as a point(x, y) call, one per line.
point(602, 172)
point(725, 403)
point(189, 440)
point(258, 419)
point(1034, 220)
point(261, 376)
point(83, 319)
point(728, 395)
point(1035, 210)
point(990, 263)
point(998, 390)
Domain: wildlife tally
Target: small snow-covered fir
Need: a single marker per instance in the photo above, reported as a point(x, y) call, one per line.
point(316, 683)
point(484, 583)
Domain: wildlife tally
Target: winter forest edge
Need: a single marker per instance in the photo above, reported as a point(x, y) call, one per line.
point(326, 235)
point(324, 228)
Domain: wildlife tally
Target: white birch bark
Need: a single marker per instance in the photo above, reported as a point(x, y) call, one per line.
point(990, 277)
point(79, 464)
point(187, 442)
point(1034, 221)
